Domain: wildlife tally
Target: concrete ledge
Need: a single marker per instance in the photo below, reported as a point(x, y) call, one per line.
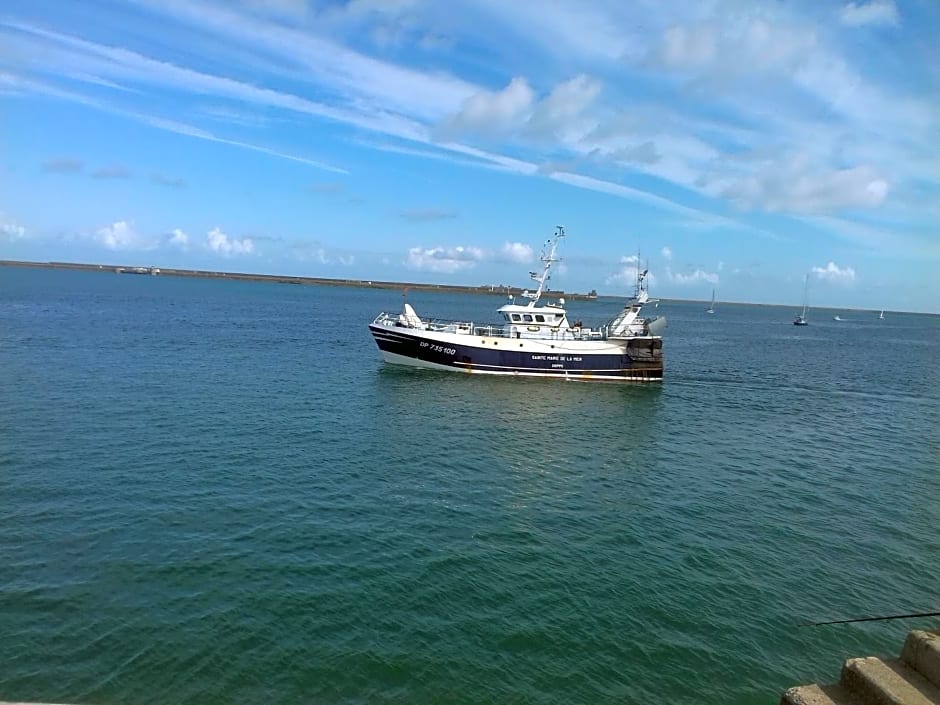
point(818, 695)
point(888, 682)
point(922, 653)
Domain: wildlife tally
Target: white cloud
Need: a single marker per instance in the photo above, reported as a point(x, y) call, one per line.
point(517, 252)
point(219, 242)
point(626, 273)
point(695, 277)
point(515, 108)
point(453, 259)
point(444, 259)
point(315, 252)
point(178, 238)
point(122, 235)
point(667, 252)
point(10, 230)
point(689, 46)
point(488, 111)
point(561, 112)
point(835, 274)
point(798, 185)
point(876, 12)
point(740, 45)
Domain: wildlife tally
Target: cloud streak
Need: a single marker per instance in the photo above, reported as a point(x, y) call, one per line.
point(445, 260)
point(63, 165)
point(115, 171)
point(875, 12)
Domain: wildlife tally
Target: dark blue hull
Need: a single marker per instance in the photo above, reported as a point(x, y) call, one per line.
point(641, 362)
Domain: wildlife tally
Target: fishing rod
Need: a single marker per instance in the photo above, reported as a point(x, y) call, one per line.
point(872, 619)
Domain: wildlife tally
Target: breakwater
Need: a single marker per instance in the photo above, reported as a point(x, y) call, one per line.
point(912, 679)
point(286, 279)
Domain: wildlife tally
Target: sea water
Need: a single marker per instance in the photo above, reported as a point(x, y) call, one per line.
point(216, 492)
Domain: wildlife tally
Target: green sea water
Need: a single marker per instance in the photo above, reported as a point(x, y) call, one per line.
point(216, 492)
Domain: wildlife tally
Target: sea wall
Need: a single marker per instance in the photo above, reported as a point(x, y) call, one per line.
point(284, 279)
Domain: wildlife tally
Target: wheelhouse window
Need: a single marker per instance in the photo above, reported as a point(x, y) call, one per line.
point(516, 317)
point(527, 317)
point(539, 318)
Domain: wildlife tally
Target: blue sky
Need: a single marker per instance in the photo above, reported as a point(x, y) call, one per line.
point(739, 144)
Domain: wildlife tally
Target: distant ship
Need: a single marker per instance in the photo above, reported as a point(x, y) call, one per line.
point(137, 270)
point(531, 340)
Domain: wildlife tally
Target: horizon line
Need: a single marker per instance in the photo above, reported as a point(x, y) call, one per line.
point(384, 284)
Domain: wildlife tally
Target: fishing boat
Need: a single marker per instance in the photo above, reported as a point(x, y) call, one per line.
point(532, 339)
point(711, 307)
point(800, 319)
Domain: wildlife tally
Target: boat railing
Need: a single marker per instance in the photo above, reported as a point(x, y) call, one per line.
point(443, 325)
point(491, 331)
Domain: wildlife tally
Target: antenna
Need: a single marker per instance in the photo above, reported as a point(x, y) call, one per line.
point(548, 258)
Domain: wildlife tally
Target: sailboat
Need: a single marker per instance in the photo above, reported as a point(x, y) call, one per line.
point(881, 316)
point(711, 308)
point(800, 319)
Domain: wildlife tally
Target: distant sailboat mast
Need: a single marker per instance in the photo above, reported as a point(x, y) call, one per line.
point(805, 295)
point(800, 320)
point(711, 307)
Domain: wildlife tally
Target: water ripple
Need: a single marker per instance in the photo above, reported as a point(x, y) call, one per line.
point(204, 502)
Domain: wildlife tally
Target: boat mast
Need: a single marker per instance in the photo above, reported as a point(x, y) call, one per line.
point(805, 293)
point(548, 258)
point(640, 289)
